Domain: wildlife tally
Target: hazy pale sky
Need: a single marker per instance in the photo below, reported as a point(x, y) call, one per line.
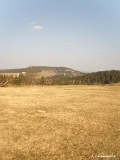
point(79, 34)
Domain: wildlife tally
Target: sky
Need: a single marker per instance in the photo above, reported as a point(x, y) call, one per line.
point(80, 34)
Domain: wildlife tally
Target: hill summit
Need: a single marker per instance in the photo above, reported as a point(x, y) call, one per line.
point(45, 71)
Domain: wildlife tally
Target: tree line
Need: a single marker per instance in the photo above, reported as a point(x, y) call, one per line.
point(101, 77)
point(30, 78)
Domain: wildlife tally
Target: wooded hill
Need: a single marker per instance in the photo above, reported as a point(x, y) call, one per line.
point(63, 76)
point(45, 71)
point(101, 77)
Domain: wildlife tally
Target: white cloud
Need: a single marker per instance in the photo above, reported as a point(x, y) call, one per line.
point(38, 27)
point(102, 50)
point(111, 55)
point(33, 23)
point(67, 43)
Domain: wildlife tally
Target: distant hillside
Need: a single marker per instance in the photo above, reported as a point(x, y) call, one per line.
point(101, 77)
point(57, 76)
point(45, 71)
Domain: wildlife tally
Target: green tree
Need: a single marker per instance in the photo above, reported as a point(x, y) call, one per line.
point(31, 75)
point(42, 81)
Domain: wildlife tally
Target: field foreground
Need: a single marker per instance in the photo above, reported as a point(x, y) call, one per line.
point(60, 123)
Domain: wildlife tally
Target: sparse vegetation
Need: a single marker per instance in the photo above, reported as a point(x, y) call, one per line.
point(59, 122)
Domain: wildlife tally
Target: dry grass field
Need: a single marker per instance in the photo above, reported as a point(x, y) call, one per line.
point(45, 74)
point(60, 123)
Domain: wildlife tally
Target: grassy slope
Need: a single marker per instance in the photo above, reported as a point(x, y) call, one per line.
point(59, 122)
point(45, 74)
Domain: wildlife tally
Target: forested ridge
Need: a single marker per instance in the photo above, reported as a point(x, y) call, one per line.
point(39, 69)
point(101, 77)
